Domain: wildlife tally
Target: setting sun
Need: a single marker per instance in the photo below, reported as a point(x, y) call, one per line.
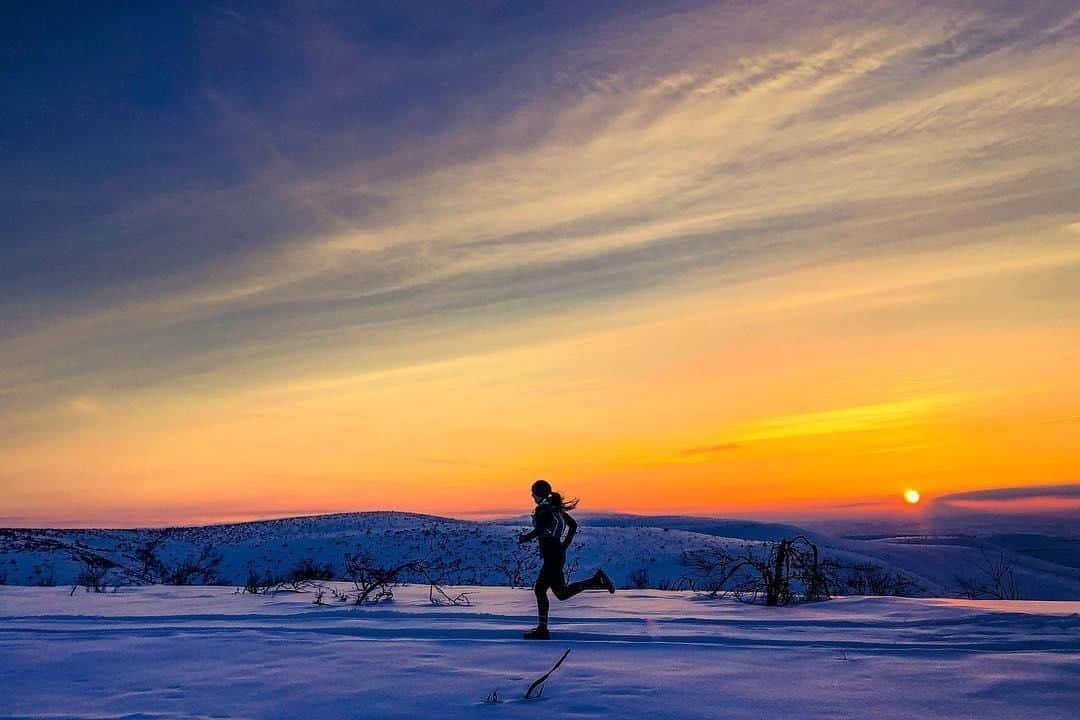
point(911, 496)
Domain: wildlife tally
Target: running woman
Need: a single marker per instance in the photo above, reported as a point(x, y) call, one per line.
point(550, 519)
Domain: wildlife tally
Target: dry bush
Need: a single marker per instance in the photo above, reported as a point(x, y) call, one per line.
point(519, 565)
point(373, 581)
point(872, 579)
point(995, 579)
point(94, 575)
point(197, 568)
point(308, 569)
point(779, 572)
point(638, 579)
point(440, 598)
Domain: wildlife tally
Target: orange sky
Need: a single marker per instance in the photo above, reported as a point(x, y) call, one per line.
point(804, 295)
point(720, 400)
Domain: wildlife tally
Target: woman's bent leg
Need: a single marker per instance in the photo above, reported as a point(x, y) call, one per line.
point(565, 592)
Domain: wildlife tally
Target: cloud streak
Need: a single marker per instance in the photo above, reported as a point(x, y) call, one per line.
point(1017, 493)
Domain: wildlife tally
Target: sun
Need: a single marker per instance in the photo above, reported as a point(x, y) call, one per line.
point(911, 497)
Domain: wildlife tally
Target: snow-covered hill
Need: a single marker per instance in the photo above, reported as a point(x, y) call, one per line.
point(634, 550)
point(203, 652)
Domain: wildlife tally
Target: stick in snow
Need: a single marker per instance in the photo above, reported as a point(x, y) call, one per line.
point(540, 680)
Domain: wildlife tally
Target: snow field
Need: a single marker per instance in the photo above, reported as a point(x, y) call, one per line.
point(201, 652)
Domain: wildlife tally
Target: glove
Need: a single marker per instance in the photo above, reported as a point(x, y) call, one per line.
point(522, 538)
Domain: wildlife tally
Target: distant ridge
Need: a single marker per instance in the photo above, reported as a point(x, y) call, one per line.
point(716, 526)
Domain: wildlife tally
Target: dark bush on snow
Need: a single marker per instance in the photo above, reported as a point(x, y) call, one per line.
point(871, 579)
point(778, 573)
point(93, 575)
point(199, 567)
point(638, 579)
point(308, 569)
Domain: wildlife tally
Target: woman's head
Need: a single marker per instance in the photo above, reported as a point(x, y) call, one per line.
point(541, 491)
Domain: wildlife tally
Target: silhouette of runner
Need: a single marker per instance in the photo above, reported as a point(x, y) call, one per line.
point(550, 518)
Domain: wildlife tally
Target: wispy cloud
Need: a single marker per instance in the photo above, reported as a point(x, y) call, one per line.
point(720, 157)
point(1017, 493)
point(371, 214)
point(1037, 500)
point(844, 420)
point(711, 450)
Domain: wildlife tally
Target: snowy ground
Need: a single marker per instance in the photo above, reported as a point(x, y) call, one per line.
point(1043, 567)
point(171, 652)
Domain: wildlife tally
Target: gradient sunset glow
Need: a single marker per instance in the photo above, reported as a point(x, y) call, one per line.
point(746, 258)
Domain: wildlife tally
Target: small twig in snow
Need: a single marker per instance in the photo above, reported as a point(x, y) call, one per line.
point(539, 682)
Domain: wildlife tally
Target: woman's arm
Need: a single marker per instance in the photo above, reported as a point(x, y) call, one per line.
point(531, 535)
point(571, 528)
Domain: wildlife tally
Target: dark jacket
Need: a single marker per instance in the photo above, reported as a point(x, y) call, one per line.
point(549, 523)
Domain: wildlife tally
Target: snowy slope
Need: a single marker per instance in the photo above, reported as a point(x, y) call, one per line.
point(200, 652)
point(1045, 568)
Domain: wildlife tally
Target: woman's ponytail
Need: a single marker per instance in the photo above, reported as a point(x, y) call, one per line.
point(556, 499)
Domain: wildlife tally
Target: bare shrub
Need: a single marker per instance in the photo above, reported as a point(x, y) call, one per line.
point(995, 579)
point(148, 566)
point(197, 568)
point(308, 569)
point(872, 579)
point(679, 583)
point(779, 573)
point(373, 581)
point(440, 598)
point(257, 583)
point(93, 574)
point(638, 579)
point(519, 565)
point(438, 568)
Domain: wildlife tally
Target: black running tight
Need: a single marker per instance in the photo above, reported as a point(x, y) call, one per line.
point(551, 578)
